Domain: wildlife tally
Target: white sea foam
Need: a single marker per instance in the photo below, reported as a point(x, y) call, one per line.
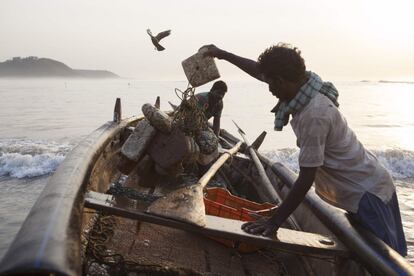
point(399, 162)
point(20, 158)
point(287, 156)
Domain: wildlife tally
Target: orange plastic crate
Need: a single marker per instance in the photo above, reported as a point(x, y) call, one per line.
point(220, 202)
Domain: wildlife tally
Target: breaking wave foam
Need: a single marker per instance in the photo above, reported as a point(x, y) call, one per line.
point(20, 158)
point(399, 162)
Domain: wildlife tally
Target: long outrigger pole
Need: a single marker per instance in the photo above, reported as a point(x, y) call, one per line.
point(272, 195)
point(268, 186)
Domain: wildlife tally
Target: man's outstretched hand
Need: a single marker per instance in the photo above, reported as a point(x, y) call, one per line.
point(212, 50)
point(263, 226)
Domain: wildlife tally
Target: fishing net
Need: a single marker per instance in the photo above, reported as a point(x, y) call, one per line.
point(190, 118)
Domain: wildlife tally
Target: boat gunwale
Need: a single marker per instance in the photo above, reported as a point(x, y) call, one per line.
point(51, 231)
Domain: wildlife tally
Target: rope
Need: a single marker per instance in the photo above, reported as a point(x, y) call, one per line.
point(189, 116)
point(231, 156)
point(117, 189)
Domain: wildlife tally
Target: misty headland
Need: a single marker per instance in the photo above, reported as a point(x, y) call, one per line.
point(34, 67)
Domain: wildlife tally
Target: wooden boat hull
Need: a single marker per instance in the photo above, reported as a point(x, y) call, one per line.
point(49, 240)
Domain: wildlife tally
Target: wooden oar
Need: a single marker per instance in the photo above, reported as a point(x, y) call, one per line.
point(186, 204)
point(270, 191)
point(269, 187)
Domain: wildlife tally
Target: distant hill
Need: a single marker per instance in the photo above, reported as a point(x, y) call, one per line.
point(33, 67)
point(387, 81)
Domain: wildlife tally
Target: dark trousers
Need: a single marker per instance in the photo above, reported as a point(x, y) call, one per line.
point(384, 220)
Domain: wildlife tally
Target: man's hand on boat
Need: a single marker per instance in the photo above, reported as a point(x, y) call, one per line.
point(269, 226)
point(265, 226)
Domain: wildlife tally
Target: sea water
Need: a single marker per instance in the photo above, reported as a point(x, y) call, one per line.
point(41, 120)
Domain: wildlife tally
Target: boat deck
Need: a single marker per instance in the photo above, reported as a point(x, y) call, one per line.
point(154, 248)
point(159, 250)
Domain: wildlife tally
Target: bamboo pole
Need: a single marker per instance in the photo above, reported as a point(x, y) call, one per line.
point(217, 165)
point(271, 194)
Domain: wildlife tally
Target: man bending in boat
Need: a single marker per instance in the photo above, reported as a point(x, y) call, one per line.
point(346, 175)
point(212, 103)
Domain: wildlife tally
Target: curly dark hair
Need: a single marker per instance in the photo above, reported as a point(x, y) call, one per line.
point(219, 85)
point(282, 60)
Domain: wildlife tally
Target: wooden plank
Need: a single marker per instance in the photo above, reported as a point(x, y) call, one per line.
point(287, 240)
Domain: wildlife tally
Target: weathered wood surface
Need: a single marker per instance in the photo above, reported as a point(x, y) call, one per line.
point(186, 203)
point(291, 241)
point(135, 146)
point(269, 192)
point(117, 111)
point(259, 140)
point(154, 246)
point(48, 241)
point(157, 102)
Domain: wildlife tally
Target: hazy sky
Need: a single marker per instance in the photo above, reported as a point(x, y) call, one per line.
point(340, 40)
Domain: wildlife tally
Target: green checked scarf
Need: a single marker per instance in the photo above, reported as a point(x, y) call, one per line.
point(314, 85)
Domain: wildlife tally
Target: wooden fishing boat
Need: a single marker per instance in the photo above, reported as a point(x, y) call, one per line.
point(76, 228)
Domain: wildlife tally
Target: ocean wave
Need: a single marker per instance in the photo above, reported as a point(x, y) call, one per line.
point(399, 162)
point(25, 158)
point(287, 156)
point(383, 125)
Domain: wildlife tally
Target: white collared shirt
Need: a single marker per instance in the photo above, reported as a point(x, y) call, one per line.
point(346, 169)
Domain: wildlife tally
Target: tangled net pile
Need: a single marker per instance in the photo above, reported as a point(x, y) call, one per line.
point(189, 117)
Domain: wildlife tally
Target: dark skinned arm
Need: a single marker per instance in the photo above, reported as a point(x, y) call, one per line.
point(216, 125)
point(249, 66)
point(269, 226)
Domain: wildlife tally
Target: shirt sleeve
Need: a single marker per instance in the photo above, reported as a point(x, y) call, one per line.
point(312, 142)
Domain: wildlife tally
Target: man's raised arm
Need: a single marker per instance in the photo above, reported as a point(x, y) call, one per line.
point(249, 66)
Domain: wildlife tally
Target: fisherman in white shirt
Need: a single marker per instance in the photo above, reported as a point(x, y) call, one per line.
point(345, 174)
